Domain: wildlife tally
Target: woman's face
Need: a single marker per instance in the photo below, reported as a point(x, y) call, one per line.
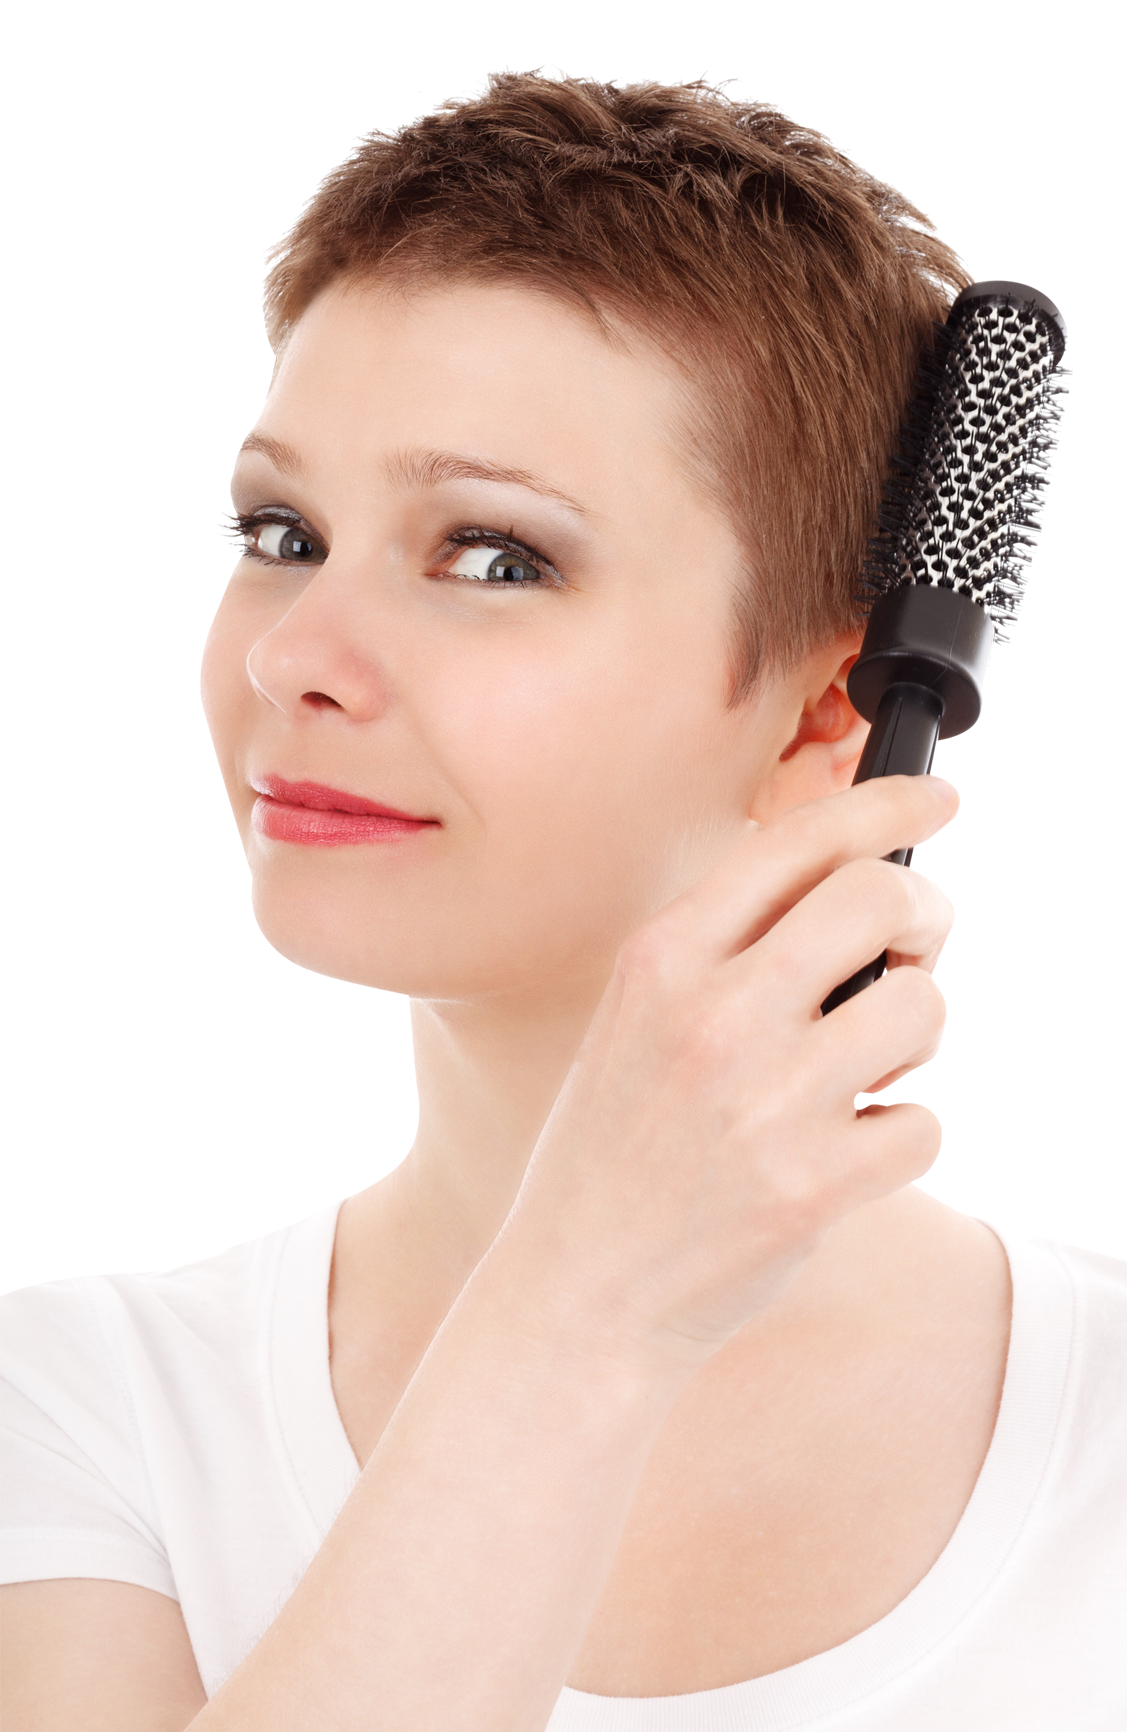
point(483, 591)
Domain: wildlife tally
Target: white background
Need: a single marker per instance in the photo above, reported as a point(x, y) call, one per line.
point(173, 1085)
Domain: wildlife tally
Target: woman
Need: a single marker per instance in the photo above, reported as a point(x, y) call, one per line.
point(646, 1392)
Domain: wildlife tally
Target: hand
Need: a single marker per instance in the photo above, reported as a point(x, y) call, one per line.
point(707, 1137)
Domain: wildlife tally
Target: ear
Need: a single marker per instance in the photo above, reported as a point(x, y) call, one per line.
point(826, 735)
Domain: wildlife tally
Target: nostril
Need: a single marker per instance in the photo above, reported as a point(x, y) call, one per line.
point(320, 701)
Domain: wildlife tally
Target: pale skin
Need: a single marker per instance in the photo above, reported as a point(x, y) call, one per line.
point(661, 1373)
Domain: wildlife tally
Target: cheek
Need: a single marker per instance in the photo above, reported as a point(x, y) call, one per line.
point(598, 776)
point(536, 739)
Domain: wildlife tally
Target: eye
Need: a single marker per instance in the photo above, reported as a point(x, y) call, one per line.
point(487, 565)
point(286, 540)
point(499, 562)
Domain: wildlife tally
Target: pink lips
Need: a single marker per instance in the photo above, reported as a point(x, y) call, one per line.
point(321, 817)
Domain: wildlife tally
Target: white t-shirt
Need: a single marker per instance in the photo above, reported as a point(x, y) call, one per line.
point(179, 1431)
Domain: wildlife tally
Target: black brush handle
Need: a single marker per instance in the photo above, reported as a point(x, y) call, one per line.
point(901, 743)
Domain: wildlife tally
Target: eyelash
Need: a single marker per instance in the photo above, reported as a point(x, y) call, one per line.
point(241, 525)
point(495, 542)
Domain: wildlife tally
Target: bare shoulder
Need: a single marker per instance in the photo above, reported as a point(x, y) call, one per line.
point(102, 1656)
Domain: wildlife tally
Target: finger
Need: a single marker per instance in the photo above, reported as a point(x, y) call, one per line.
point(888, 1085)
point(862, 909)
point(890, 1147)
point(776, 865)
point(882, 1150)
point(892, 1027)
point(925, 959)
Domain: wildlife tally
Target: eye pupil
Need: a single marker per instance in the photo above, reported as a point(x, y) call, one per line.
point(296, 546)
point(506, 569)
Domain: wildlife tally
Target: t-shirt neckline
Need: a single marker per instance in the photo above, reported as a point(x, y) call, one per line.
point(322, 1469)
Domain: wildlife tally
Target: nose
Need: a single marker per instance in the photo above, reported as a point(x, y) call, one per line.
point(321, 656)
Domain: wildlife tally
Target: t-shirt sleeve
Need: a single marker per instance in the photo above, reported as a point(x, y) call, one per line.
point(75, 1498)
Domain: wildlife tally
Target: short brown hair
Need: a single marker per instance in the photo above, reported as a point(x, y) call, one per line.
point(794, 291)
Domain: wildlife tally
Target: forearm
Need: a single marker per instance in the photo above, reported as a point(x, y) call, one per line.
point(457, 1583)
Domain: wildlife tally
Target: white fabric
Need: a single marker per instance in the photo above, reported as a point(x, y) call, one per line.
point(179, 1431)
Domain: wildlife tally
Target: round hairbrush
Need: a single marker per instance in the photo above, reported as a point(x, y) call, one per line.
point(945, 570)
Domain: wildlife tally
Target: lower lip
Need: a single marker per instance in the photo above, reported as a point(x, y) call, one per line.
point(315, 828)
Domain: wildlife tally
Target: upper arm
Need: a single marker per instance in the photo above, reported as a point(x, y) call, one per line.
point(83, 1649)
point(95, 1656)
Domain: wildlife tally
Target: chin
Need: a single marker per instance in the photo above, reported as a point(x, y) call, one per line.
point(317, 932)
point(443, 950)
point(349, 913)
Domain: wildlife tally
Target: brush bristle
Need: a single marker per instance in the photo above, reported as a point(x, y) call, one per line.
point(959, 509)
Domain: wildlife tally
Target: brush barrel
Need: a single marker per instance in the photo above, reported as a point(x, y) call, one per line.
point(920, 635)
point(902, 738)
point(918, 679)
point(901, 743)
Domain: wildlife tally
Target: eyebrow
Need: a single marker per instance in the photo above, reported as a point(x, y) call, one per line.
point(415, 470)
point(285, 458)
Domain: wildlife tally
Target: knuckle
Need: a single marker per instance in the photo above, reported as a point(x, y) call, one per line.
point(921, 1136)
point(930, 894)
point(880, 886)
point(940, 908)
point(649, 957)
point(771, 974)
point(799, 1206)
point(919, 999)
point(908, 1142)
point(701, 1044)
point(929, 1134)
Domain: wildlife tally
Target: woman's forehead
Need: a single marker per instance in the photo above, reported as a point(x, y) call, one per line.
point(487, 380)
point(465, 335)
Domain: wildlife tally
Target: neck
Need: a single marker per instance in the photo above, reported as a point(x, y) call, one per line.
point(488, 1078)
point(488, 1075)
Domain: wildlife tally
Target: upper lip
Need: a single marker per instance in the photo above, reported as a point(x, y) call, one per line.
point(322, 799)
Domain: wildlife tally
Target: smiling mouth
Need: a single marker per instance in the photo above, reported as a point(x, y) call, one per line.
point(320, 817)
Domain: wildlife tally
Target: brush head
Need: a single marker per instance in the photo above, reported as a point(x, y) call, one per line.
point(960, 506)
